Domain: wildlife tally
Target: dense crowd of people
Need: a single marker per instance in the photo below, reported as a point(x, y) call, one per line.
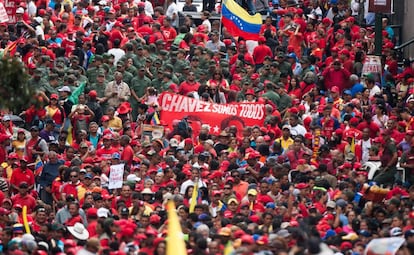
point(330, 169)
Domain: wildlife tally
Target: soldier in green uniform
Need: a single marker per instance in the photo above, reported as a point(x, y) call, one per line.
point(194, 66)
point(275, 72)
point(37, 81)
point(157, 81)
point(129, 53)
point(285, 101)
point(170, 69)
point(306, 67)
point(284, 65)
point(51, 87)
point(265, 74)
point(166, 81)
point(271, 94)
point(184, 74)
point(138, 86)
point(94, 68)
point(127, 76)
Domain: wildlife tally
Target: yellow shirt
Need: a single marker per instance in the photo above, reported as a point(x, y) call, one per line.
point(19, 147)
point(115, 123)
point(285, 143)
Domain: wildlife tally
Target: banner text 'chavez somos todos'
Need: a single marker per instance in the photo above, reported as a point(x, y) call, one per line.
point(176, 107)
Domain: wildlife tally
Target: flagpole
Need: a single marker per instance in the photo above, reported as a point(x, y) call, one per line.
point(221, 17)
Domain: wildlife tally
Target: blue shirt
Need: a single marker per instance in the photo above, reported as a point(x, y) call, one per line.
point(357, 88)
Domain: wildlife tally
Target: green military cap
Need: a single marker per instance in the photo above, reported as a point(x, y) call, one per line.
point(174, 47)
point(149, 60)
point(275, 64)
point(101, 73)
point(186, 67)
point(159, 42)
point(74, 57)
point(139, 47)
point(163, 52)
point(146, 47)
point(168, 75)
point(158, 62)
point(37, 70)
point(174, 53)
point(98, 57)
point(106, 55)
point(201, 48)
point(181, 51)
point(161, 70)
point(224, 63)
point(169, 66)
point(212, 62)
point(281, 55)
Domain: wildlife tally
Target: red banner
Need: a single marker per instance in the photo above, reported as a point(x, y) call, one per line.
point(218, 116)
point(11, 7)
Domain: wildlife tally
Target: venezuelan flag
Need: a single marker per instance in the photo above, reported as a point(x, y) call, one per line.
point(175, 240)
point(239, 22)
point(155, 120)
point(38, 167)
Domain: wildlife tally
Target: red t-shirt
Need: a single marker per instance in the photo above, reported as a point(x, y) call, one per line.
point(70, 189)
point(260, 52)
point(187, 87)
point(127, 154)
point(26, 200)
point(106, 154)
point(18, 176)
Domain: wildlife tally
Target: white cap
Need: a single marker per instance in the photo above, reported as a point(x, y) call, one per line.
point(39, 20)
point(133, 178)
point(20, 10)
point(174, 142)
point(6, 118)
point(64, 89)
point(102, 212)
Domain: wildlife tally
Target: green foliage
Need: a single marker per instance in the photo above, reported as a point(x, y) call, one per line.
point(15, 93)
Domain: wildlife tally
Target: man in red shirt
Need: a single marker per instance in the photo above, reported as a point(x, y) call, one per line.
point(107, 150)
point(22, 174)
point(23, 198)
point(127, 152)
point(336, 75)
point(71, 188)
point(261, 51)
point(169, 32)
point(190, 85)
point(39, 220)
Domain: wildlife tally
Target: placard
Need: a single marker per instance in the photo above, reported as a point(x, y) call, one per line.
point(3, 14)
point(384, 246)
point(11, 7)
point(372, 64)
point(148, 132)
point(116, 176)
point(379, 6)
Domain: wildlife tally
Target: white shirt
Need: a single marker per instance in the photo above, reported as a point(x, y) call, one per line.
point(31, 9)
point(189, 183)
point(374, 90)
point(118, 53)
point(172, 8)
point(298, 130)
point(365, 145)
point(207, 25)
